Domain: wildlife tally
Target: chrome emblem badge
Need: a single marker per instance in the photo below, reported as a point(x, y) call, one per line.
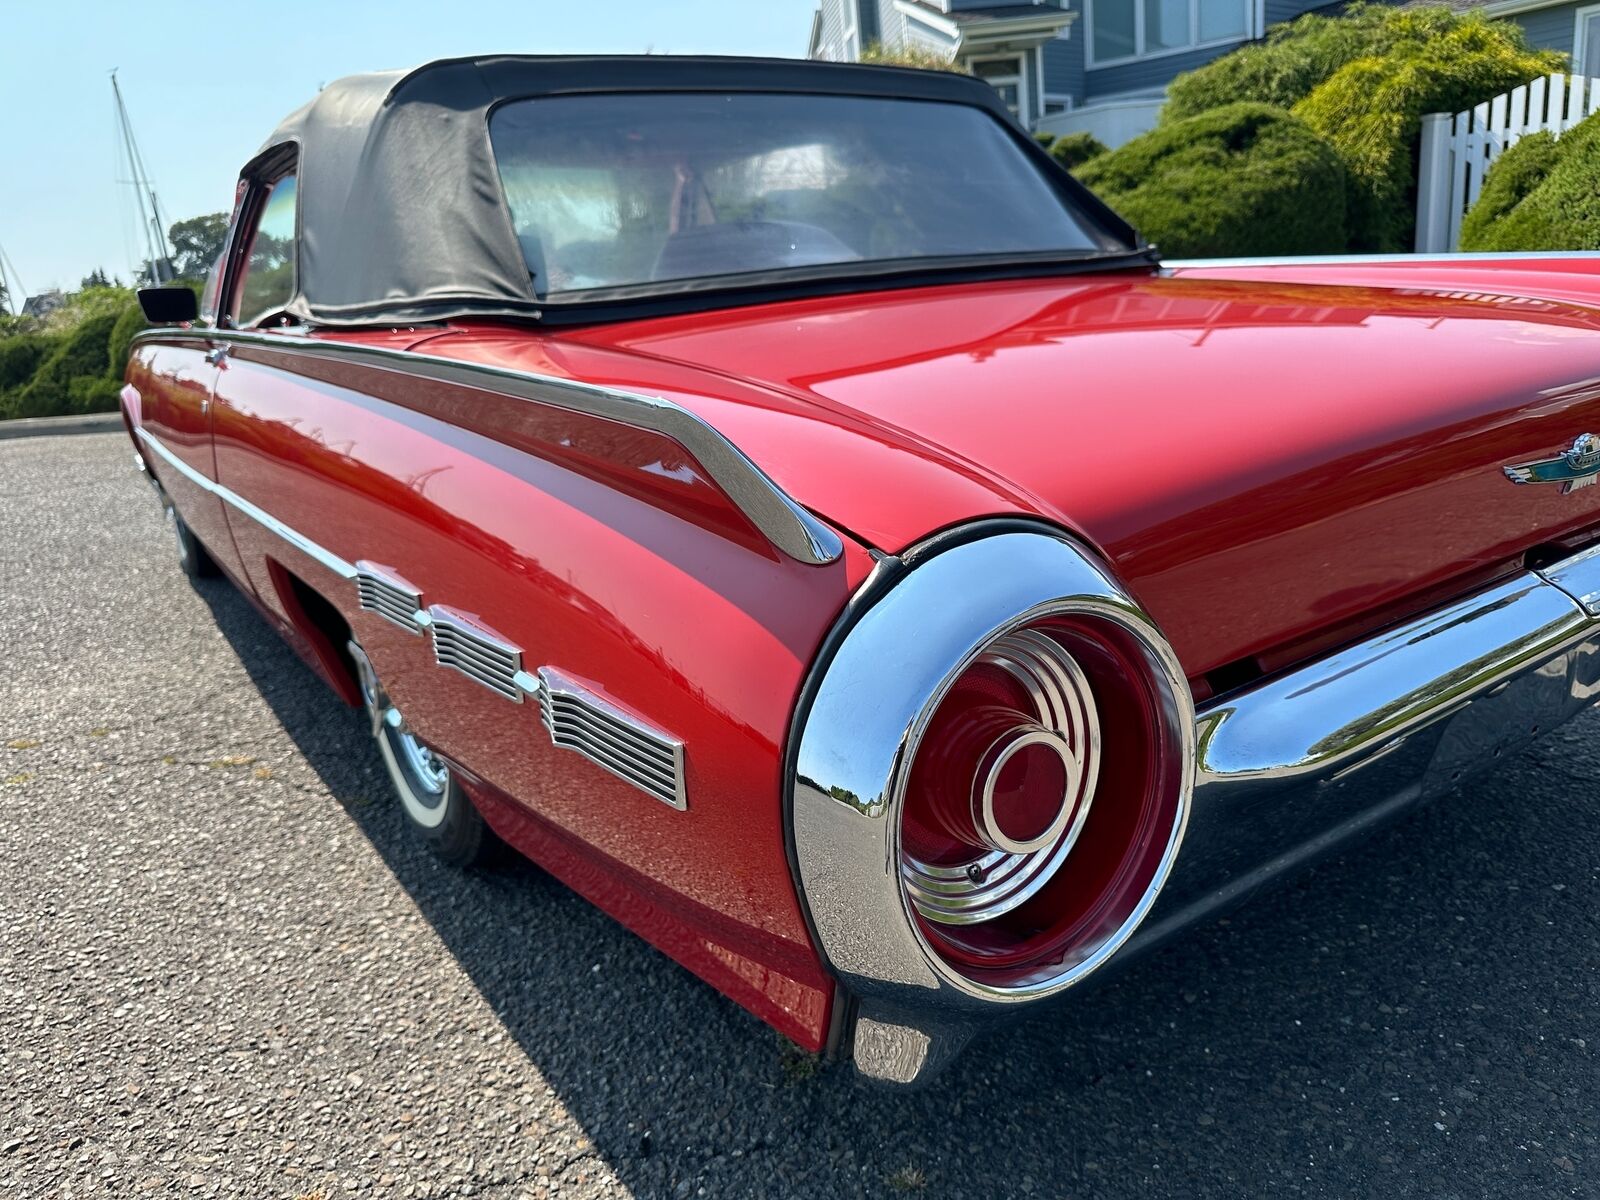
point(1574, 468)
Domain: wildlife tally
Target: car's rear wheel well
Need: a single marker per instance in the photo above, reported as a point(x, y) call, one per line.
point(323, 627)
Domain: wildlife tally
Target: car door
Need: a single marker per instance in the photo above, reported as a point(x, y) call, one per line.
point(176, 382)
point(254, 293)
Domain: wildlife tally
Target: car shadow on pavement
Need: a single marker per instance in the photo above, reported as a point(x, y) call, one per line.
point(1414, 1017)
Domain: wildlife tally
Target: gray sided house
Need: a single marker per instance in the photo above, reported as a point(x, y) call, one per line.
point(1103, 65)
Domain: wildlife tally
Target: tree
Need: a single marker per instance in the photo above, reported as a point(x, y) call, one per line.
point(97, 278)
point(1248, 178)
point(197, 244)
point(910, 56)
point(1364, 81)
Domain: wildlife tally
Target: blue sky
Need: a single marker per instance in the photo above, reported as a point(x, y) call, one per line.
point(205, 83)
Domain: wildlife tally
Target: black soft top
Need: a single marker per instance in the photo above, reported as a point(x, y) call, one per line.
point(402, 217)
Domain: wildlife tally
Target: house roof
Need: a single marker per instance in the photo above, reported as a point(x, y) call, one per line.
point(971, 27)
point(976, 16)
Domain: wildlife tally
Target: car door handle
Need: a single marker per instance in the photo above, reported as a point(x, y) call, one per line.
point(216, 354)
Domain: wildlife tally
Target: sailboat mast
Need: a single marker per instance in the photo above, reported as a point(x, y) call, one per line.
point(150, 215)
point(10, 285)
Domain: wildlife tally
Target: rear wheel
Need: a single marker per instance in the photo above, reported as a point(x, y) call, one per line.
point(434, 804)
point(192, 556)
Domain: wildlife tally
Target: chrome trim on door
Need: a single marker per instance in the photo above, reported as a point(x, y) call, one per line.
point(577, 717)
point(228, 496)
point(781, 520)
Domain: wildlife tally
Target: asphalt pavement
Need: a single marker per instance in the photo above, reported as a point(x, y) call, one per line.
point(226, 970)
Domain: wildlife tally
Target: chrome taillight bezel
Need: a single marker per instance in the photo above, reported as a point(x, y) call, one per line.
point(905, 644)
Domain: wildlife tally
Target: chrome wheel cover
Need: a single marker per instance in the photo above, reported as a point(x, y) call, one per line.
point(421, 779)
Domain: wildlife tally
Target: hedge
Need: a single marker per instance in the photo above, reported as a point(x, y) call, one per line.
point(1245, 179)
point(1072, 150)
point(1364, 81)
point(1295, 58)
point(20, 356)
point(1542, 194)
point(1371, 110)
point(129, 322)
point(81, 353)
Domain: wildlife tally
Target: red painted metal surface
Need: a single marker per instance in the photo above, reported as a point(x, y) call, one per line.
point(174, 386)
point(1268, 464)
point(601, 551)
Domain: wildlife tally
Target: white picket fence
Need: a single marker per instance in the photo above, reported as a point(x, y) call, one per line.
point(1457, 150)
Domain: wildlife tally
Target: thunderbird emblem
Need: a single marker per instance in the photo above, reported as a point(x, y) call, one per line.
point(1576, 467)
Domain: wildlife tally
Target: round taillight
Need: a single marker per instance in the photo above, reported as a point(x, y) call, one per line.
point(1039, 806)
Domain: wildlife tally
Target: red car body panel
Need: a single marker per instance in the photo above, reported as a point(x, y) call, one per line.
point(489, 501)
point(1268, 466)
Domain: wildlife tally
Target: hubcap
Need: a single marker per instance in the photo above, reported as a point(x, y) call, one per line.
point(420, 777)
point(177, 529)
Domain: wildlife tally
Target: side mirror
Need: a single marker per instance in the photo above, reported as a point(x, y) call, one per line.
point(168, 305)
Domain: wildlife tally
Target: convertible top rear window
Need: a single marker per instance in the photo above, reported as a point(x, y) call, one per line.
point(640, 189)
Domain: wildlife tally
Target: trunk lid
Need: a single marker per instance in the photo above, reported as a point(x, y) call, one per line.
point(1268, 466)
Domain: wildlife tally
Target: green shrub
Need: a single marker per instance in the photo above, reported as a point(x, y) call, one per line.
point(1542, 194)
point(1072, 150)
point(20, 356)
point(82, 351)
point(90, 394)
point(1371, 110)
point(1245, 179)
point(129, 322)
point(910, 56)
point(1294, 59)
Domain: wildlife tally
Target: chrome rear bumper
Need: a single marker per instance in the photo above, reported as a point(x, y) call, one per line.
point(1289, 770)
point(1284, 772)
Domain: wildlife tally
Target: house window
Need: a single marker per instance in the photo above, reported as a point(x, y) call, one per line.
point(1586, 46)
point(1127, 29)
point(1004, 75)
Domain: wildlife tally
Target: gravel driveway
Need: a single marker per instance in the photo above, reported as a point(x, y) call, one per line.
point(226, 971)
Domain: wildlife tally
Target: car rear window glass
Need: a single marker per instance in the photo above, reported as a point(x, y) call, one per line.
point(633, 189)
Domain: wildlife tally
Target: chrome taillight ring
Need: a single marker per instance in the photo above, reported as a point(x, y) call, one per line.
point(903, 649)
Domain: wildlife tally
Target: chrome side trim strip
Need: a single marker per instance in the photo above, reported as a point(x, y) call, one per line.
point(576, 717)
point(781, 520)
point(1336, 260)
point(579, 719)
point(228, 496)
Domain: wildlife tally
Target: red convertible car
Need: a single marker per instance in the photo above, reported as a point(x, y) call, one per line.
point(777, 499)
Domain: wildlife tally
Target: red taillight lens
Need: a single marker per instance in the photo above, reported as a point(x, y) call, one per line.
point(1040, 803)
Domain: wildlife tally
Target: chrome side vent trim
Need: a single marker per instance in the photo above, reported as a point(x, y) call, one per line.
point(461, 643)
point(578, 719)
point(389, 596)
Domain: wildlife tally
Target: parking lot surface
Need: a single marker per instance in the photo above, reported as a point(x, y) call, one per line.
point(225, 970)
